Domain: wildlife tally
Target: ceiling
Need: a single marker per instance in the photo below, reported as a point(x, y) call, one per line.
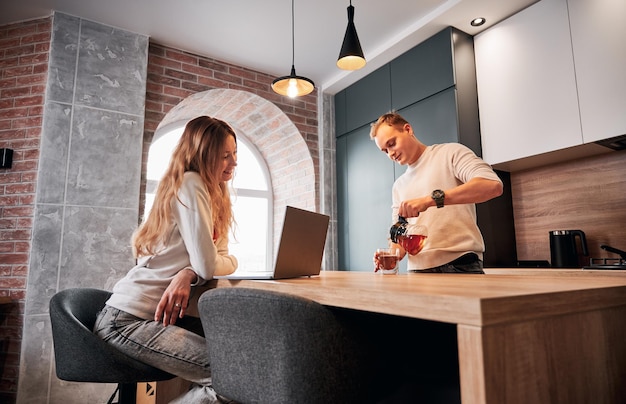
point(256, 34)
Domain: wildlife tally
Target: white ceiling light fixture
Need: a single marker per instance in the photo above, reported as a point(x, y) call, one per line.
point(477, 22)
point(293, 85)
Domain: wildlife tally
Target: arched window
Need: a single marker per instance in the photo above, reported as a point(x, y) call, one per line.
point(252, 201)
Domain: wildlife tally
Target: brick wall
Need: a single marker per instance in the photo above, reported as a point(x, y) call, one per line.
point(173, 75)
point(24, 51)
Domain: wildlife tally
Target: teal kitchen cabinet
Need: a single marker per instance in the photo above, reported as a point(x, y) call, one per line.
point(365, 100)
point(365, 177)
point(431, 118)
point(434, 87)
point(432, 59)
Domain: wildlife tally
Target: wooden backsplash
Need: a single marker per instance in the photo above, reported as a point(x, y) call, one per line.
point(587, 194)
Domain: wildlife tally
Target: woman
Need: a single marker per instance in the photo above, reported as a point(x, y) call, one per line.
point(182, 244)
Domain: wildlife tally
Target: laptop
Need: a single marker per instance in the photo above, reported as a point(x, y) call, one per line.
point(301, 247)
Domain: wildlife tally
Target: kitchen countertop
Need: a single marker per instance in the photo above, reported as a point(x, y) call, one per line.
point(501, 295)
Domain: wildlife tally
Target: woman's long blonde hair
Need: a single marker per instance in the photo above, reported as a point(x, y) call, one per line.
point(200, 149)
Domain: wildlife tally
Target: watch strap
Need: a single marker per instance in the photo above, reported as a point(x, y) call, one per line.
point(438, 196)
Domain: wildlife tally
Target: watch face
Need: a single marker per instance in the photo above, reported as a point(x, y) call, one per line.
point(437, 194)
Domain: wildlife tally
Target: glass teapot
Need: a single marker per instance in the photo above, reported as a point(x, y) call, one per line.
point(410, 236)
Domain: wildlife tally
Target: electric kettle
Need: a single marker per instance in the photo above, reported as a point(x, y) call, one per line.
point(564, 250)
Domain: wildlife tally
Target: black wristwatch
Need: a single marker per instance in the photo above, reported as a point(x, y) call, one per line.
point(438, 195)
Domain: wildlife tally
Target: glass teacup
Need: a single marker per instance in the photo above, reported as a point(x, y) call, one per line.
point(387, 259)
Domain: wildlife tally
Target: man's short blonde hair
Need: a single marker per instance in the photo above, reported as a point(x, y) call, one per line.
point(391, 118)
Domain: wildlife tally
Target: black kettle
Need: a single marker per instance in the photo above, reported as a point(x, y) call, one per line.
point(564, 250)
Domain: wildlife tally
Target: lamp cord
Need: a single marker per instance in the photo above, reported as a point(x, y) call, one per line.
point(293, 35)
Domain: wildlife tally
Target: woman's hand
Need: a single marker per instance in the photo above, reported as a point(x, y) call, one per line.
point(175, 299)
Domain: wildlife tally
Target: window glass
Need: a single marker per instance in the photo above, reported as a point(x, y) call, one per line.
point(249, 243)
point(249, 174)
point(160, 153)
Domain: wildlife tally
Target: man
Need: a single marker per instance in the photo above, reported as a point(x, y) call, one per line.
point(439, 190)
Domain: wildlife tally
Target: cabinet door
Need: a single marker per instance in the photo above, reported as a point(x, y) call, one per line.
point(526, 86)
point(340, 113)
point(341, 167)
point(368, 98)
point(433, 120)
point(432, 59)
point(598, 32)
point(366, 205)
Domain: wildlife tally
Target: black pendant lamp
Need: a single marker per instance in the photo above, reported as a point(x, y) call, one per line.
point(293, 85)
point(351, 55)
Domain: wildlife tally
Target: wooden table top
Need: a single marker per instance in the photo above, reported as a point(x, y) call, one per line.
point(501, 295)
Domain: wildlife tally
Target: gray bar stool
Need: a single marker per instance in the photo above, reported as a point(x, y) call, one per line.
point(81, 356)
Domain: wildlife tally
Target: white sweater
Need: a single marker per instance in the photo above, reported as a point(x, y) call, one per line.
point(452, 230)
point(189, 244)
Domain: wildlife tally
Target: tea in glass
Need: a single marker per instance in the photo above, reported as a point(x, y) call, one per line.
point(413, 243)
point(387, 260)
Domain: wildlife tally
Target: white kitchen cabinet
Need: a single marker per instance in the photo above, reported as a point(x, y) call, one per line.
point(526, 84)
point(598, 29)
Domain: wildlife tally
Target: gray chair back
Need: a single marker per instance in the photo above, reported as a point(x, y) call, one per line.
point(82, 356)
point(269, 347)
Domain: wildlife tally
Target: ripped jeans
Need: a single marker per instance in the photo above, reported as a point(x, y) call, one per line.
point(173, 349)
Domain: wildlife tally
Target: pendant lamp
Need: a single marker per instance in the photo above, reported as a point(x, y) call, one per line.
point(292, 85)
point(351, 55)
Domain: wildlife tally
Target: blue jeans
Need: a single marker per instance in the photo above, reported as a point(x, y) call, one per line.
point(466, 264)
point(173, 349)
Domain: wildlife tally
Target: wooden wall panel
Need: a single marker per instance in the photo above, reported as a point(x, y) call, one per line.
point(587, 194)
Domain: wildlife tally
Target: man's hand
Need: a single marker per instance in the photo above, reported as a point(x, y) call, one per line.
point(413, 207)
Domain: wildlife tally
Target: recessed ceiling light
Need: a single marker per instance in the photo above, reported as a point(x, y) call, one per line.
point(477, 22)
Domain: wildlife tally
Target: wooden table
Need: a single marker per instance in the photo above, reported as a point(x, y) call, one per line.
point(524, 335)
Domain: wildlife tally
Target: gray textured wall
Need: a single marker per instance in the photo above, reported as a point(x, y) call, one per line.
point(87, 189)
